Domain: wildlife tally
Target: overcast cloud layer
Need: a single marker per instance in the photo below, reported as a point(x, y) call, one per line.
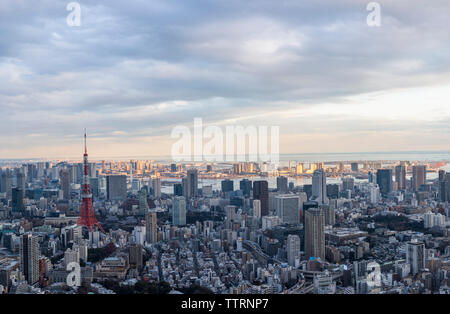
point(135, 69)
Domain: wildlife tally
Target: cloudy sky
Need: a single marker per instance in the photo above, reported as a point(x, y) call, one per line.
point(133, 70)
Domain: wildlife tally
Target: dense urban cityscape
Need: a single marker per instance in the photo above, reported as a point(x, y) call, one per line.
point(141, 226)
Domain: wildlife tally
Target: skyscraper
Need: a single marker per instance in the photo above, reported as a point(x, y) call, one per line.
point(384, 181)
point(151, 227)
point(6, 183)
point(354, 166)
point(116, 187)
point(415, 255)
point(245, 186)
point(143, 204)
point(292, 248)
point(227, 186)
point(191, 184)
point(257, 208)
point(179, 211)
point(282, 184)
point(288, 208)
point(64, 177)
point(261, 192)
point(315, 233)
point(419, 176)
point(156, 185)
point(17, 200)
point(29, 257)
point(400, 176)
point(319, 187)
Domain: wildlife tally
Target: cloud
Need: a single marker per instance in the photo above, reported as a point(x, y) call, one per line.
point(133, 70)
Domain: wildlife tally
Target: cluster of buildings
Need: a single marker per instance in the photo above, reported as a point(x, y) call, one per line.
point(329, 228)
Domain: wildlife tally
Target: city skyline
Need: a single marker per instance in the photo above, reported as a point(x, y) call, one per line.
point(132, 73)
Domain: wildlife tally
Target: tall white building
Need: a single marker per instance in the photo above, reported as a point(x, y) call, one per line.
point(257, 208)
point(415, 255)
point(293, 248)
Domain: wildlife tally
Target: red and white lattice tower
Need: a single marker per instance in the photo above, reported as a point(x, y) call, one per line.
point(86, 217)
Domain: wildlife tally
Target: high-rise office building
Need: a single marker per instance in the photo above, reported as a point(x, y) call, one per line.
point(400, 177)
point(257, 208)
point(6, 183)
point(227, 186)
point(261, 192)
point(319, 187)
point(348, 183)
point(282, 184)
point(293, 248)
point(190, 188)
point(20, 181)
point(29, 257)
point(355, 167)
point(178, 189)
point(156, 185)
point(151, 227)
point(315, 233)
point(136, 256)
point(143, 203)
point(419, 177)
point(116, 187)
point(288, 208)
point(179, 211)
point(17, 200)
point(384, 181)
point(245, 186)
point(64, 179)
point(415, 255)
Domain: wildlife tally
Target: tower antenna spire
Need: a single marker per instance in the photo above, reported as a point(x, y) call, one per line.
point(85, 145)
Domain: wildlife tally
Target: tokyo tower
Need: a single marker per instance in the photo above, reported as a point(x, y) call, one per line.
point(86, 217)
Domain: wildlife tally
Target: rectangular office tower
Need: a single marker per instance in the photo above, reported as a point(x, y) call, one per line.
point(400, 177)
point(179, 211)
point(419, 177)
point(319, 187)
point(116, 187)
point(415, 255)
point(29, 257)
point(288, 208)
point(261, 192)
point(384, 181)
point(315, 233)
point(151, 227)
